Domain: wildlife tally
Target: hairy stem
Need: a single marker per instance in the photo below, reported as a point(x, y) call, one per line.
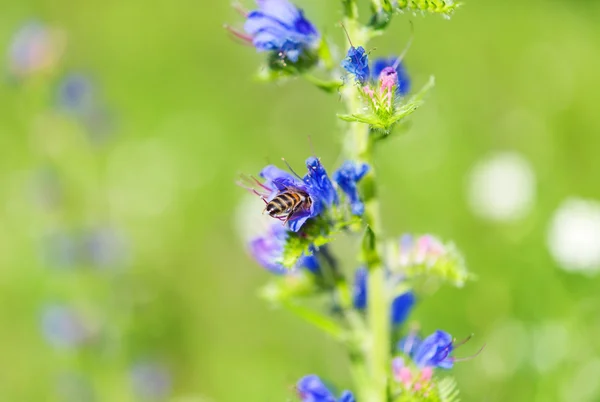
point(359, 147)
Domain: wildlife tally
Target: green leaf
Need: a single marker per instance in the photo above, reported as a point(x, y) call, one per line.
point(360, 118)
point(369, 248)
point(327, 86)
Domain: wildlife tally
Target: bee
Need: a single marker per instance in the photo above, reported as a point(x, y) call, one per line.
point(287, 203)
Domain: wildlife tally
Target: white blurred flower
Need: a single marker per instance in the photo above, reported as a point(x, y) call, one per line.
point(502, 187)
point(574, 235)
point(249, 219)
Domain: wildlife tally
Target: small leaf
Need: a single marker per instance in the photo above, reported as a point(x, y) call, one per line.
point(327, 86)
point(360, 118)
point(369, 248)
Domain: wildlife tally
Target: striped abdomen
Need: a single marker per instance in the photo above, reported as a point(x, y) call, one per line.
point(287, 203)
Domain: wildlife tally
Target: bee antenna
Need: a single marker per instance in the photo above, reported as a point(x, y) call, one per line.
point(407, 47)
point(291, 170)
point(347, 34)
point(462, 359)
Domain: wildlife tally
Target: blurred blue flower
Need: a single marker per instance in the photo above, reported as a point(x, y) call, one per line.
point(63, 327)
point(311, 389)
point(267, 249)
point(151, 380)
point(279, 26)
point(357, 63)
point(347, 177)
point(360, 289)
point(383, 65)
point(433, 351)
point(315, 183)
point(76, 93)
point(401, 305)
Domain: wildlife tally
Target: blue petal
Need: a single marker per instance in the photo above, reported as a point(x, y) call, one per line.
point(360, 289)
point(281, 27)
point(347, 177)
point(401, 307)
point(268, 249)
point(346, 396)
point(281, 10)
point(357, 63)
point(409, 344)
point(318, 182)
point(279, 180)
point(434, 351)
point(311, 389)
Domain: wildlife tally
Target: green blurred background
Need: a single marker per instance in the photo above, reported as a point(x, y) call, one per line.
point(187, 118)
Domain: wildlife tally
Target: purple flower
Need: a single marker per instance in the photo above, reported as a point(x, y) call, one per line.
point(383, 68)
point(433, 351)
point(279, 27)
point(357, 63)
point(347, 177)
point(311, 389)
point(268, 251)
point(315, 184)
point(401, 306)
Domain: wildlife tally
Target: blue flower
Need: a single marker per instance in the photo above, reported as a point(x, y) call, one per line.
point(433, 351)
point(315, 183)
point(384, 65)
point(268, 251)
point(401, 306)
point(279, 26)
point(357, 63)
point(347, 178)
point(311, 389)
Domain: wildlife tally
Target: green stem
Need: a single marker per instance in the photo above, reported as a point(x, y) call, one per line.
point(359, 148)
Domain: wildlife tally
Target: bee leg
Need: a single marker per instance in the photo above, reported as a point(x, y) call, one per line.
point(292, 212)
